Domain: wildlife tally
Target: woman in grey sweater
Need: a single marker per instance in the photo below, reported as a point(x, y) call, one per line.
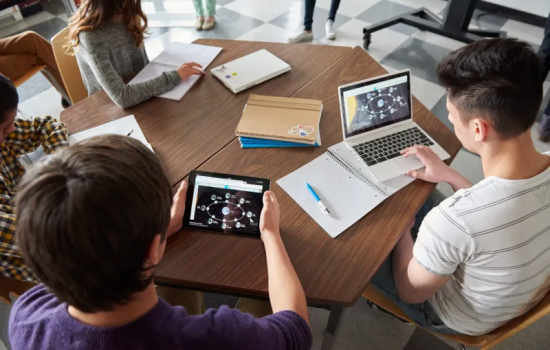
point(108, 37)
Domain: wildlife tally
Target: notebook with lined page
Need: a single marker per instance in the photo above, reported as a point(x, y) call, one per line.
point(281, 119)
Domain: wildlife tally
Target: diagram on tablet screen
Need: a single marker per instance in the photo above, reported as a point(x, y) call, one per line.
point(228, 209)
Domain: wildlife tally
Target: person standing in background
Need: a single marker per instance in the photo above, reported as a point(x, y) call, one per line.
point(544, 54)
point(210, 21)
point(306, 33)
point(21, 52)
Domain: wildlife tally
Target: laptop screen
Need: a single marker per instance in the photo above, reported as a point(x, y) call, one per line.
point(372, 104)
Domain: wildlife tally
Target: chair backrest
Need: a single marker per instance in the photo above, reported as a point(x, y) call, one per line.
point(10, 286)
point(519, 323)
point(68, 68)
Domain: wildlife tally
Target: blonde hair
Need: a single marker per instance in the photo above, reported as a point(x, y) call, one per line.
point(92, 14)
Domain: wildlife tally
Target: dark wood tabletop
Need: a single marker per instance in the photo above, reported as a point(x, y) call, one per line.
point(185, 134)
point(332, 271)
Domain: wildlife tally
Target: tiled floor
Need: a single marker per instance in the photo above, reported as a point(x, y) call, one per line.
point(395, 48)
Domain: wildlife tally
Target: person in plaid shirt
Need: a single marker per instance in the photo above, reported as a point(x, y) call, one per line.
point(18, 136)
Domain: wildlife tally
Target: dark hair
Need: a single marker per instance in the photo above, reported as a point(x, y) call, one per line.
point(498, 80)
point(87, 216)
point(8, 97)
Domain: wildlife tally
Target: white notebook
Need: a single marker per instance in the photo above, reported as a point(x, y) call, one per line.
point(171, 58)
point(250, 70)
point(347, 189)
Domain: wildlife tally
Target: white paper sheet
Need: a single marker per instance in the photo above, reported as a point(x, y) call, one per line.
point(122, 126)
point(179, 53)
point(175, 55)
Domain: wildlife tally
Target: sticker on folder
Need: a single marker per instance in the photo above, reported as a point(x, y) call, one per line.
point(301, 130)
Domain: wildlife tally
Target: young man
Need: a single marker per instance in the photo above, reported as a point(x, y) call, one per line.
point(482, 256)
point(93, 224)
point(19, 136)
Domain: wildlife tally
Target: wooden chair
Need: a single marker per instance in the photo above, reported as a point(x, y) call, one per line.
point(486, 341)
point(68, 68)
point(12, 286)
point(42, 69)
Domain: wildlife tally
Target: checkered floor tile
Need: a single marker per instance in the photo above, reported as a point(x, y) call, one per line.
point(397, 47)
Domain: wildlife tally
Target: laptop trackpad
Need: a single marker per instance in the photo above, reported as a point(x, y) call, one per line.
point(410, 163)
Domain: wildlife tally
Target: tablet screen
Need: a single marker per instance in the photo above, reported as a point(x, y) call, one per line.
point(225, 203)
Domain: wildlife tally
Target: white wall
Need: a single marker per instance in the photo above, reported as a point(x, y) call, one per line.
point(536, 7)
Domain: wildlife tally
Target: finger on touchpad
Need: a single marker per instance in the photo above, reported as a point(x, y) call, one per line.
point(409, 163)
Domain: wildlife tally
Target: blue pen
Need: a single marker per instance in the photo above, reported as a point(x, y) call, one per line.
point(319, 203)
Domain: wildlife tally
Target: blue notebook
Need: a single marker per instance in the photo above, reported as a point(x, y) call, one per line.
point(250, 142)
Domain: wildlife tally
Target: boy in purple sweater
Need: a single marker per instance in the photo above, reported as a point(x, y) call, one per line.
point(92, 224)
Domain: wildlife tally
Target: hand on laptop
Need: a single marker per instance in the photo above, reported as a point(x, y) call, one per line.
point(178, 209)
point(188, 69)
point(270, 217)
point(436, 170)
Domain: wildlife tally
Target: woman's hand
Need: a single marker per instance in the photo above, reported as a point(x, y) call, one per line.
point(188, 69)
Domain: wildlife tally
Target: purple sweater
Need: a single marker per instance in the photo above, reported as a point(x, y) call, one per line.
point(39, 322)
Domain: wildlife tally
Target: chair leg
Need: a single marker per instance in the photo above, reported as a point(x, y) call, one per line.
point(462, 346)
point(56, 86)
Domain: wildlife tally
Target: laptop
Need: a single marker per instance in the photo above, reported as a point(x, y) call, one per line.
point(250, 70)
point(377, 123)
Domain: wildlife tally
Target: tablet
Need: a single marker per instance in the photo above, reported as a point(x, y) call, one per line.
point(225, 203)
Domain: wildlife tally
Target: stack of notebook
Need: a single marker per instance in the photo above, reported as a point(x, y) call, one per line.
point(280, 122)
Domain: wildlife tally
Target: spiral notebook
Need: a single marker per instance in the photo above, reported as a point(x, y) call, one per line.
point(281, 119)
point(345, 186)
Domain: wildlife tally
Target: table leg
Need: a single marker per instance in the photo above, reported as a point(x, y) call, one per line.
point(333, 325)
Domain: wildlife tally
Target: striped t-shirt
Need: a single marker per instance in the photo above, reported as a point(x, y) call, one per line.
point(494, 239)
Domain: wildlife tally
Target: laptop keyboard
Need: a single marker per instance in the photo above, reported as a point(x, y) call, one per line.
point(388, 147)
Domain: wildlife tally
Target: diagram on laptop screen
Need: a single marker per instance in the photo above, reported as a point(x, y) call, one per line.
point(380, 105)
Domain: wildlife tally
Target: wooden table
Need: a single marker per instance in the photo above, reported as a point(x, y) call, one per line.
point(333, 272)
point(198, 133)
point(185, 134)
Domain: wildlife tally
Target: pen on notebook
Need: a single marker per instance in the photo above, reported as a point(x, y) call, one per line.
point(130, 133)
point(319, 202)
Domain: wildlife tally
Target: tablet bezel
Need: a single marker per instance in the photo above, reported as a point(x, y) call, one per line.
point(189, 199)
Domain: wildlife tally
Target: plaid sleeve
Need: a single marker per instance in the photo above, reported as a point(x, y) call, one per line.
point(11, 261)
point(33, 132)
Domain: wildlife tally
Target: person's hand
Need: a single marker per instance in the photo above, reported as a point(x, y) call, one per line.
point(178, 209)
point(436, 170)
point(270, 217)
point(188, 69)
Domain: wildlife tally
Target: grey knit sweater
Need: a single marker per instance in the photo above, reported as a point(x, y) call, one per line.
point(108, 55)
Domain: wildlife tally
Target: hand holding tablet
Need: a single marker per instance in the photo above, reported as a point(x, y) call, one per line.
point(225, 203)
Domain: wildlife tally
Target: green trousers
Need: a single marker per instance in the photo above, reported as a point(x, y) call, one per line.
point(210, 7)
